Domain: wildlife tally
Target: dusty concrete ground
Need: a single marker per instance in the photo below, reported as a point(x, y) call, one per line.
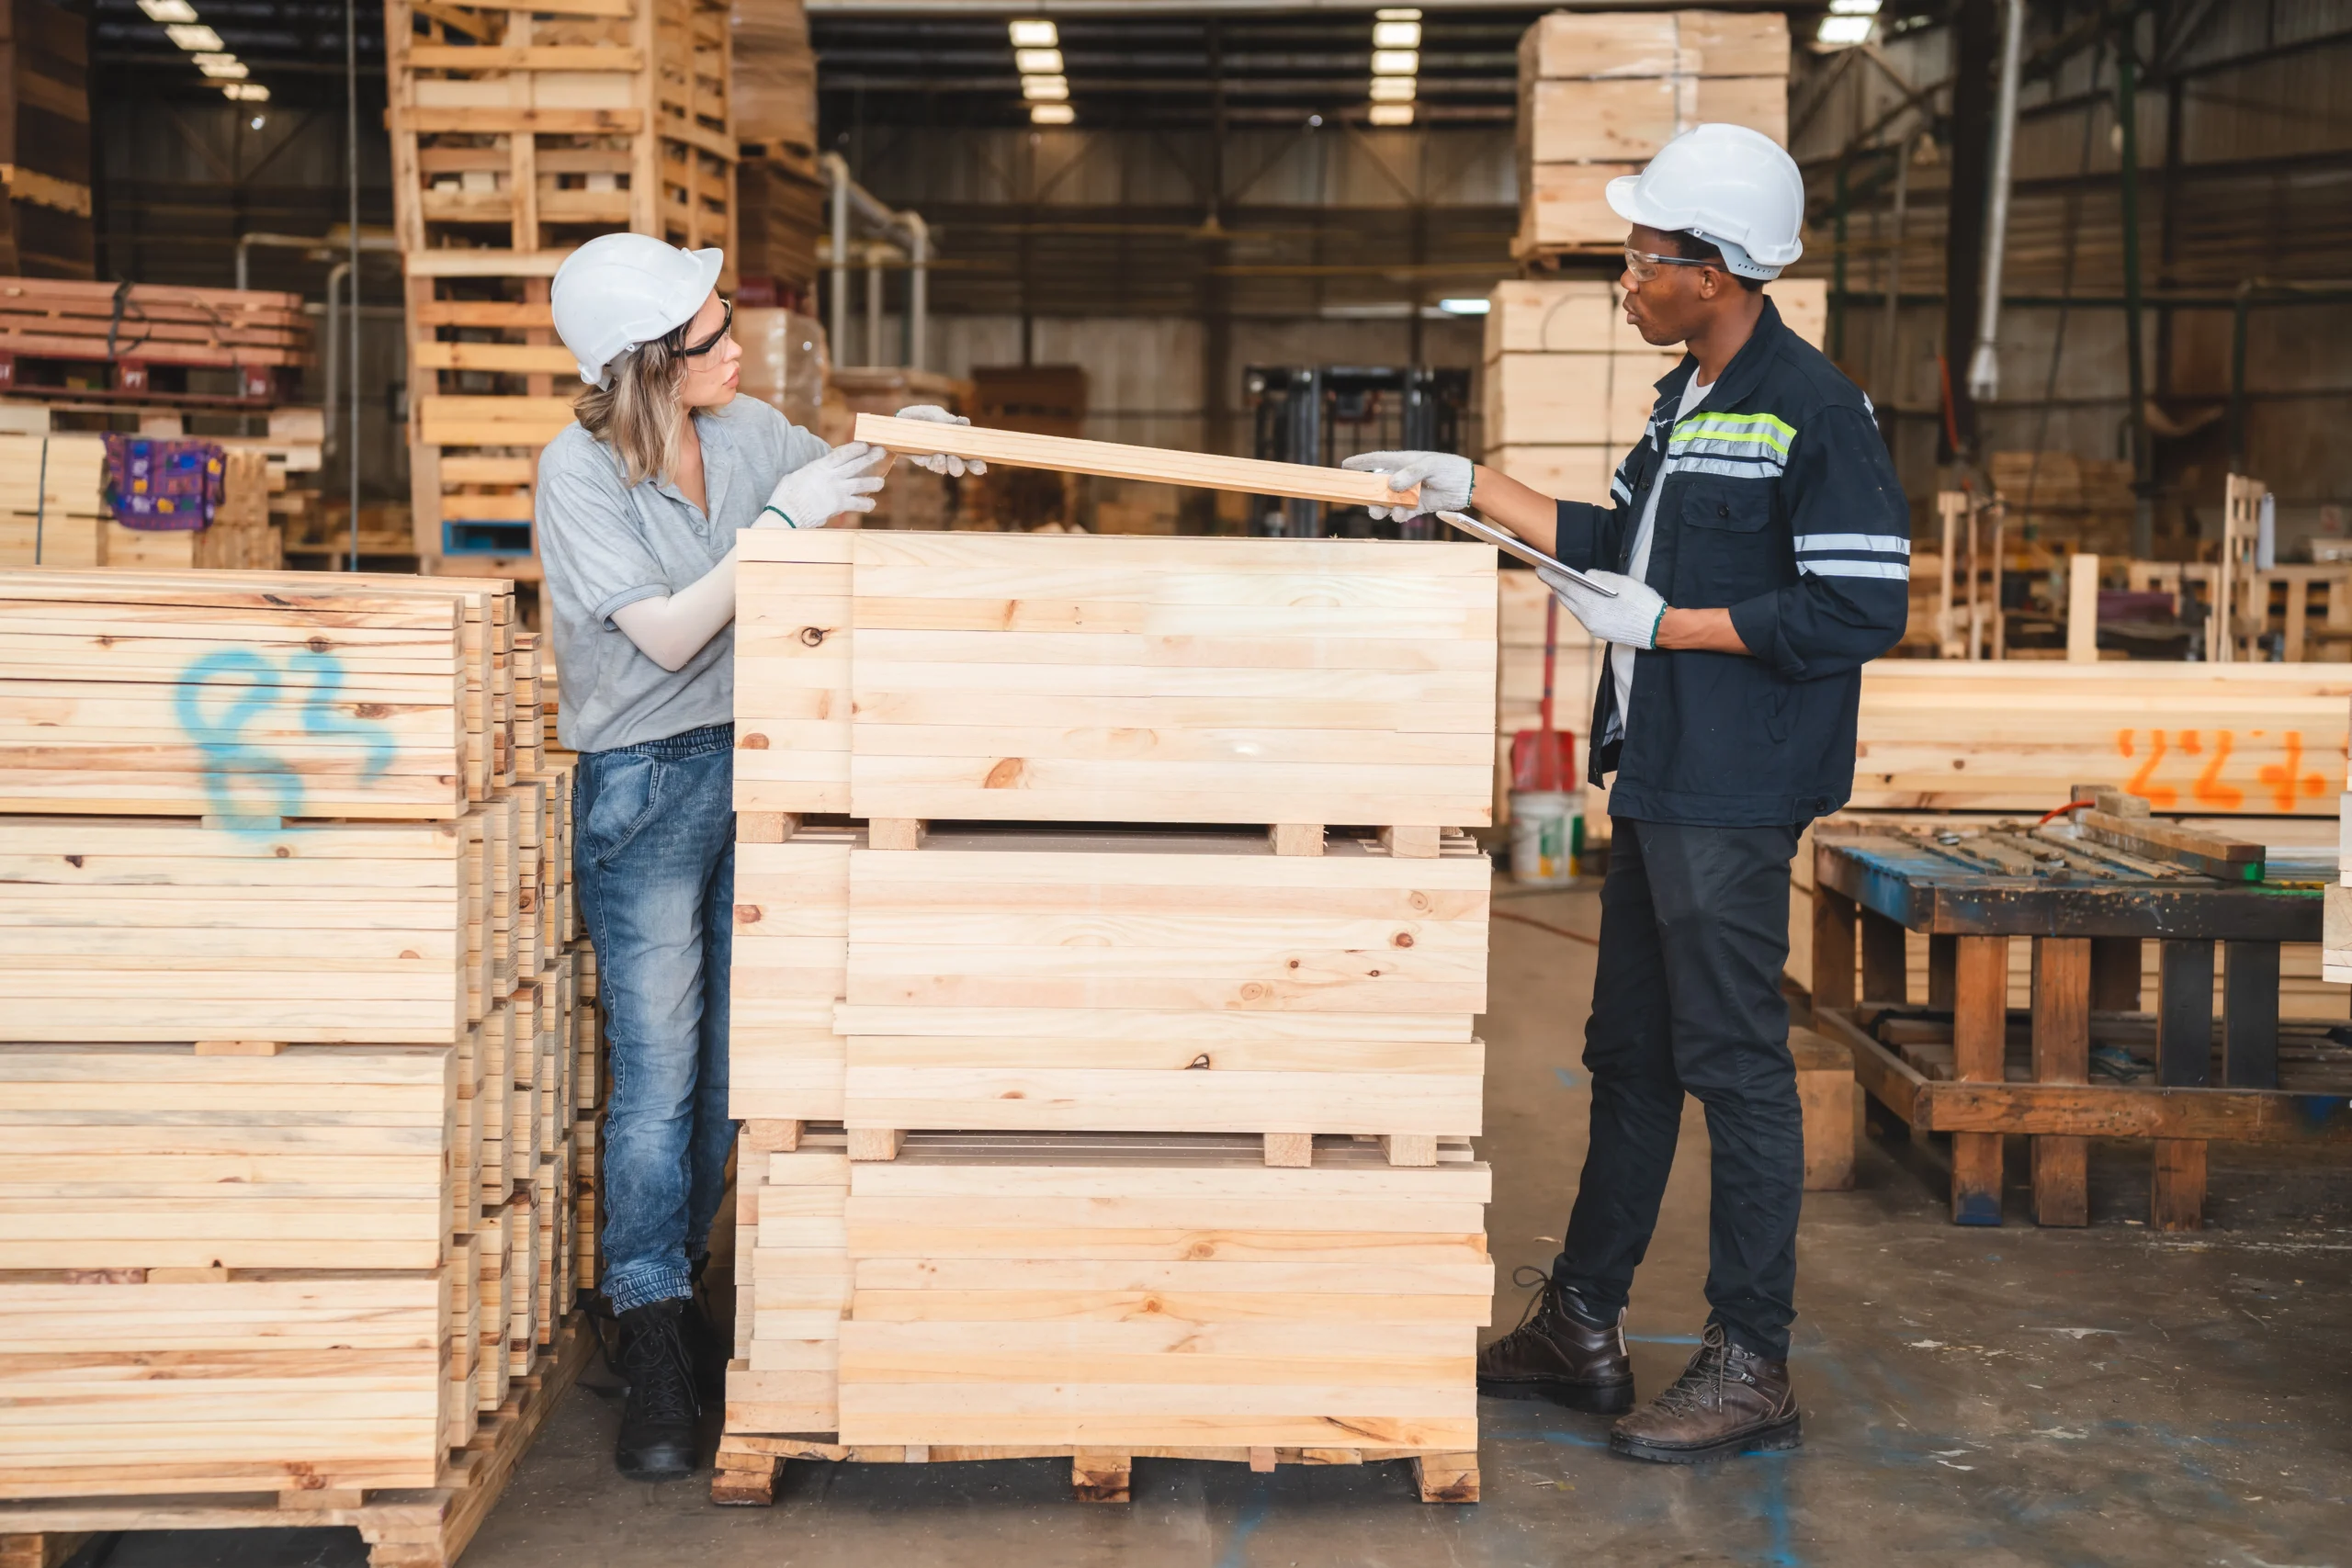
point(1977, 1397)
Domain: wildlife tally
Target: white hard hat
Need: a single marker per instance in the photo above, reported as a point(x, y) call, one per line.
point(1736, 188)
point(620, 290)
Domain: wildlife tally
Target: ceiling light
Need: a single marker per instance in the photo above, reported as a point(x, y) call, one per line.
point(1034, 33)
point(1051, 114)
point(196, 38)
point(1395, 61)
point(1845, 30)
point(1396, 35)
point(1392, 89)
point(1392, 114)
point(168, 10)
point(248, 92)
point(1853, 7)
point(1477, 307)
point(1398, 14)
point(1044, 89)
point(221, 67)
point(1046, 62)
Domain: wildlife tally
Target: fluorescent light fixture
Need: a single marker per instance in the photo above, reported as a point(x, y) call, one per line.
point(1051, 114)
point(1853, 7)
point(221, 67)
point(1395, 61)
point(246, 93)
point(1396, 35)
point(1037, 61)
point(1477, 307)
point(1392, 114)
point(1044, 89)
point(196, 37)
point(1034, 33)
point(1845, 30)
point(1392, 89)
point(1396, 13)
point(168, 10)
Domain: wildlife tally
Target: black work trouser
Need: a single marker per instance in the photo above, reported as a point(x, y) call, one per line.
point(1694, 930)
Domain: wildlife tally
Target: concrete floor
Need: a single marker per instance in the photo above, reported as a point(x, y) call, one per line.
point(1980, 1397)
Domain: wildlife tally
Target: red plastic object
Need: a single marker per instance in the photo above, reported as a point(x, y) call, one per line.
point(1545, 758)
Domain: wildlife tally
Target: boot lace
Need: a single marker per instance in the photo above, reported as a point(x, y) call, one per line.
point(660, 1371)
point(1528, 1277)
point(1700, 1386)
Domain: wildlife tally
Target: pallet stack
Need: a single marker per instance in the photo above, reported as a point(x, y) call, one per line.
point(1601, 92)
point(777, 184)
point(1105, 957)
point(1569, 384)
point(227, 346)
point(517, 135)
point(288, 1036)
point(45, 142)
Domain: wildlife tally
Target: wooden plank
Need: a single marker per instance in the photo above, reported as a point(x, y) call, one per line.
point(2177, 1185)
point(1979, 1032)
point(1067, 455)
point(2062, 1044)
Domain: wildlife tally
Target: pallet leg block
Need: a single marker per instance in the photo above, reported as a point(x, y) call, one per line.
point(745, 1481)
point(1101, 1477)
point(2176, 1193)
point(1286, 1148)
point(894, 832)
point(1296, 838)
point(1411, 843)
point(1410, 1148)
point(1446, 1478)
point(39, 1550)
point(876, 1143)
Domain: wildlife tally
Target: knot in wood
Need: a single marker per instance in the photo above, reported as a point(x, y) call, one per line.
point(749, 914)
point(1402, 938)
point(753, 741)
point(811, 636)
point(1200, 1061)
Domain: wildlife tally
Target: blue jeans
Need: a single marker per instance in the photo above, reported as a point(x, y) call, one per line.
point(654, 849)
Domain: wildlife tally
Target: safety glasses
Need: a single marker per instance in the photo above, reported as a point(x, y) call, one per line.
point(1644, 264)
point(726, 325)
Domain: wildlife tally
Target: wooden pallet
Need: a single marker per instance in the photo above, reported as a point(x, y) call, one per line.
point(426, 1528)
point(750, 1467)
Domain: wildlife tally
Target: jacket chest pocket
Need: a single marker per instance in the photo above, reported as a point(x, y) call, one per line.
point(1730, 550)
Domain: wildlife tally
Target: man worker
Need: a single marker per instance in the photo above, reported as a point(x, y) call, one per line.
point(1758, 547)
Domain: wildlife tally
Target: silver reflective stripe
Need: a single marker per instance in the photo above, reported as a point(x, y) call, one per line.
point(1856, 569)
point(1884, 543)
point(1728, 467)
point(1620, 488)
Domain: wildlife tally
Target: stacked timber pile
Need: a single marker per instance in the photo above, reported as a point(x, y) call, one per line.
point(1106, 1063)
point(291, 1044)
point(2057, 499)
point(517, 135)
point(1601, 92)
point(45, 142)
point(152, 338)
point(52, 510)
point(2254, 751)
point(777, 187)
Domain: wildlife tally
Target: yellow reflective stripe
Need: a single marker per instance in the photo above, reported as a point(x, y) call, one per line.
point(1763, 429)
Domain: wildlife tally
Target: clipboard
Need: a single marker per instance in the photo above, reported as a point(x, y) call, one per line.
point(1511, 544)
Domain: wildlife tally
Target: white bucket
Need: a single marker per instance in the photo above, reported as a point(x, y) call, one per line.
point(1546, 836)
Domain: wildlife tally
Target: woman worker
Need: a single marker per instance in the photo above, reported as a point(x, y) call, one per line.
point(637, 507)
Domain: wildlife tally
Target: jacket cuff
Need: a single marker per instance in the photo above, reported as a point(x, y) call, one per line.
point(1758, 622)
point(1576, 537)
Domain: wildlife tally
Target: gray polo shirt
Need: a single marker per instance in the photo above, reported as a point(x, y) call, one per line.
point(604, 544)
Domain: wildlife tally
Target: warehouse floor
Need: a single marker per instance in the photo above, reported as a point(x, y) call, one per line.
point(1979, 1397)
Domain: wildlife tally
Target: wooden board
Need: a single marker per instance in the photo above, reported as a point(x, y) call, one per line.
point(1022, 449)
point(1159, 1290)
point(1011, 677)
point(791, 960)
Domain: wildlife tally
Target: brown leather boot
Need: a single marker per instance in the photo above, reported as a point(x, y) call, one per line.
point(1557, 1353)
point(1727, 1401)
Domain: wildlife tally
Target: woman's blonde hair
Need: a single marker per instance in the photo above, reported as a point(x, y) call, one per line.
point(636, 411)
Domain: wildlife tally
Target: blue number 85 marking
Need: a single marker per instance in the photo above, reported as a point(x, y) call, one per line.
point(248, 685)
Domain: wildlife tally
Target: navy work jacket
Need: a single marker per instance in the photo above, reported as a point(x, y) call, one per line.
point(1781, 505)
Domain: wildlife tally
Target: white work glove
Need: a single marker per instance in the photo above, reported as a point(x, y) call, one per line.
point(941, 462)
point(841, 480)
point(1630, 620)
point(1445, 479)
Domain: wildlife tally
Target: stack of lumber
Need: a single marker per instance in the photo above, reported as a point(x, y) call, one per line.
point(133, 327)
point(45, 143)
point(517, 135)
point(2057, 498)
point(52, 511)
point(1569, 385)
point(2254, 751)
point(914, 498)
point(1141, 996)
point(290, 985)
point(1601, 92)
point(777, 188)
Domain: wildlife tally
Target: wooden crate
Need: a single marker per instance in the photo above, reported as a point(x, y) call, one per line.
point(45, 142)
point(517, 136)
point(1601, 92)
point(1058, 678)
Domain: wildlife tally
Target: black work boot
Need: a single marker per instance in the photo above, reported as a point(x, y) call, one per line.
point(1561, 1351)
point(1727, 1401)
point(657, 1440)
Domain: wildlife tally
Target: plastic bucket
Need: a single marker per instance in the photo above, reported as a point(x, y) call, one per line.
point(1546, 836)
